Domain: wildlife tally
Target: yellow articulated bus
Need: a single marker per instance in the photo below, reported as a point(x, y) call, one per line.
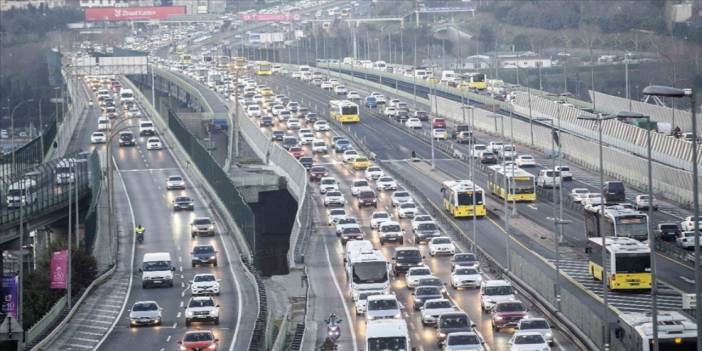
point(463, 198)
point(512, 183)
point(186, 59)
point(628, 262)
point(239, 62)
point(474, 81)
point(264, 68)
point(344, 111)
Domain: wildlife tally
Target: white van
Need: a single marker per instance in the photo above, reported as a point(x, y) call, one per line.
point(494, 291)
point(355, 246)
point(382, 333)
point(22, 193)
point(146, 127)
point(126, 95)
point(103, 124)
point(548, 178)
point(157, 270)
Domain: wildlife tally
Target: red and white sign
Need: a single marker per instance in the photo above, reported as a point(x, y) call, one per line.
point(269, 17)
point(115, 14)
point(59, 269)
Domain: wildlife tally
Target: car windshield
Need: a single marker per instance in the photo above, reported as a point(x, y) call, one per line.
point(329, 181)
point(333, 194)
point(428, 291)
point(438, 304)
point(351, 230)
point(422, 218)
point(528, 339)
point(373, 169)
point(385, 179)
point(466, 271)
point(381, 215)
point(197, 336)
point(441, 241)
point(454, 321)
point(201, 303)
point(360, 183)
point(390, 228)
point(318, 169)
point(382, 304)
point(427, 226)
point(347, 220)
point(204, 278)
point(498, 290)
point(431, 282)
point(144, 306)
point(203, 249)
point(397, 343)
point(420, 271)
point(463, 339)
point(465, 257)
point(366, 194)
point(534, 324)
point(202, 221)
point(408, 206)
point(406, 255)
point(510, 307)
point(401, 194)
point(154, 266)
point(337, 212)
point(175, 179)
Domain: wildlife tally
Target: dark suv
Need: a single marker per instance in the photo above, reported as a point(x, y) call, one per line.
point(367, 198)
point(406, 258)
point(204, 254)
point(668, 231)
point(126, 139)
point(452, 322)
point(425, 231)
point(614, 192)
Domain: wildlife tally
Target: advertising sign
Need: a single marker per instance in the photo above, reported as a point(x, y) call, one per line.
point(59, 270)
point(9, 295)
point(116, 14)
point(269, 17)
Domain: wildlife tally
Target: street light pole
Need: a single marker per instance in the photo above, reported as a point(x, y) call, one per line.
point(12, 132)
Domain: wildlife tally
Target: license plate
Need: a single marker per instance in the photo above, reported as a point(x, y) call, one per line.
point(158, 281)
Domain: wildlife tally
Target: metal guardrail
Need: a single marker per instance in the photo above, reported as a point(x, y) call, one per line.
point(47, 321)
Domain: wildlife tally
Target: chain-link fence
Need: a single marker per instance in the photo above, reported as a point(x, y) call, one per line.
point(217, 178)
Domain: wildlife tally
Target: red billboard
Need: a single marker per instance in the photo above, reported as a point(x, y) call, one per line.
point(269, 17)
point(116, 14)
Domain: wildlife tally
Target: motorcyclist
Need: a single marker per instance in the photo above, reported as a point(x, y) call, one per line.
point(139, 230)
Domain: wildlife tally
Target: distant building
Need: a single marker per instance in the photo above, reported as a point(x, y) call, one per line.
point(681, 12)
point(118, 3)
point(521, 59)
point(195, 7)
point(23, 4)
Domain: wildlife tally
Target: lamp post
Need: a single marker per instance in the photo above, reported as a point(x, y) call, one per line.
point(471, 172)
point(599, 118)
point(651, 239)
point(665, 91)
point(12, 130)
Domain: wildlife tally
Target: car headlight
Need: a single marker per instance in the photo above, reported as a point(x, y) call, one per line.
point(397, 316)
point(442, 335)
point(545, 349)
point(499, 318)
point(183, 348)
point(188, 313)
point(213, 257)
point(212, 347)
point(370, 317)
point(549, 335)
point(210, 227)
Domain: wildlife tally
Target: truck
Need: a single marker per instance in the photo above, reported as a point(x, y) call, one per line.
point(449, 78)
point(387, 334)
point(367, 270)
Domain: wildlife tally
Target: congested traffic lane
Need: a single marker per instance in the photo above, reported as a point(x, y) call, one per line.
point(467, 300)
point(144, 173)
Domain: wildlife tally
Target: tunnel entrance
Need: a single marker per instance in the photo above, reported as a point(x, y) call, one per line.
point(275, 215)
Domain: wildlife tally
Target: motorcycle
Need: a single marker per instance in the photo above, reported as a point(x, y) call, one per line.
point(140, 236)
point(333, 328)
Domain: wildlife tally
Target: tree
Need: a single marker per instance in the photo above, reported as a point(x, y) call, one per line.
point(487, 37)
point(522, 42)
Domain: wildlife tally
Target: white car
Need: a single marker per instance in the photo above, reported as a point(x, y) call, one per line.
point(379, 217)
point(340, 90)
point(98, 138)
point(319, 146)
point(327, 85)
point(465, 277)
point(385, 183)
point(477, 149)
point(321, 126)
point(642, 202)
point(334, 82)
point(103, 124)
point(419, 219)
point(394, 102)
point(153, 143)
point(379, 98)
point(688, 224)
point(390, 112)
point(590, 200)
point(175, 182)
point(414, 274)
point(361, 299)
point(306, 138)
point(407, 210)
point(353, 95)
point(686, 239)
point(293, 123)
point(202, 309)
point(400, 197)
point(334, 198)
point(349, 156)
point(414, 123)
point(494, 291)
point(357, 185)
point(525, 161)
point(578, 194)
point(383, 307)
point(204, 284)
point(467, 340)
point(441, 246)
point(253, 111)
point(433, 308)
point(346, 222)
point(528, 341)
point(374, 173)
point(566, 174)
point(284, 115)
point(328, 184)
point(335, 214)
point(145, 313)
point(538, 325)
point(276, 109)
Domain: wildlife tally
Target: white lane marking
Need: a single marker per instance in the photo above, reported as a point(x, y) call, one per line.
point(343, 300)
point(687, 280)
point(532, 207)
point(148, 170)
point(174, 325)
point(80, 346)
point(169, 337)
point(181, 304)
point(131, 263)
point(177, 316)
point(85, 339)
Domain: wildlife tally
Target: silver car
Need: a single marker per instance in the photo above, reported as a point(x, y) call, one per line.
point(145, 313)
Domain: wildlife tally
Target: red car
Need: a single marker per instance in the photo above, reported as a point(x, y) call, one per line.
point(507, 314)
point(296, 151)
point(317, 172)
point(198, 340)
point(438, 123)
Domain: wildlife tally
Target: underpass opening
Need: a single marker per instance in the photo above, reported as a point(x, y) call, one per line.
point(275, 214)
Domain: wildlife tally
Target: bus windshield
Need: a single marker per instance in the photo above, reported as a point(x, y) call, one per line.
point(523, 186)
point(633, 263)
point(633, 227)
point(370, 272)
point(467, 198)
point(398, 343)
point(349, 110)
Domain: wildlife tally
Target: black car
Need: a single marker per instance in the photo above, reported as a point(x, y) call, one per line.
point(432, 282)
point(306, 162)
point(266, 121)
point(126, 139)
point(424, 293)
point(311, 117)
point(277, 135)
point(425, 231)
point(422, 115)
point(452, 322)
point(183, 203)
point(488, 158)
point(668, 231)
point(402, 116)
point(406, 258)
point(204, 254)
